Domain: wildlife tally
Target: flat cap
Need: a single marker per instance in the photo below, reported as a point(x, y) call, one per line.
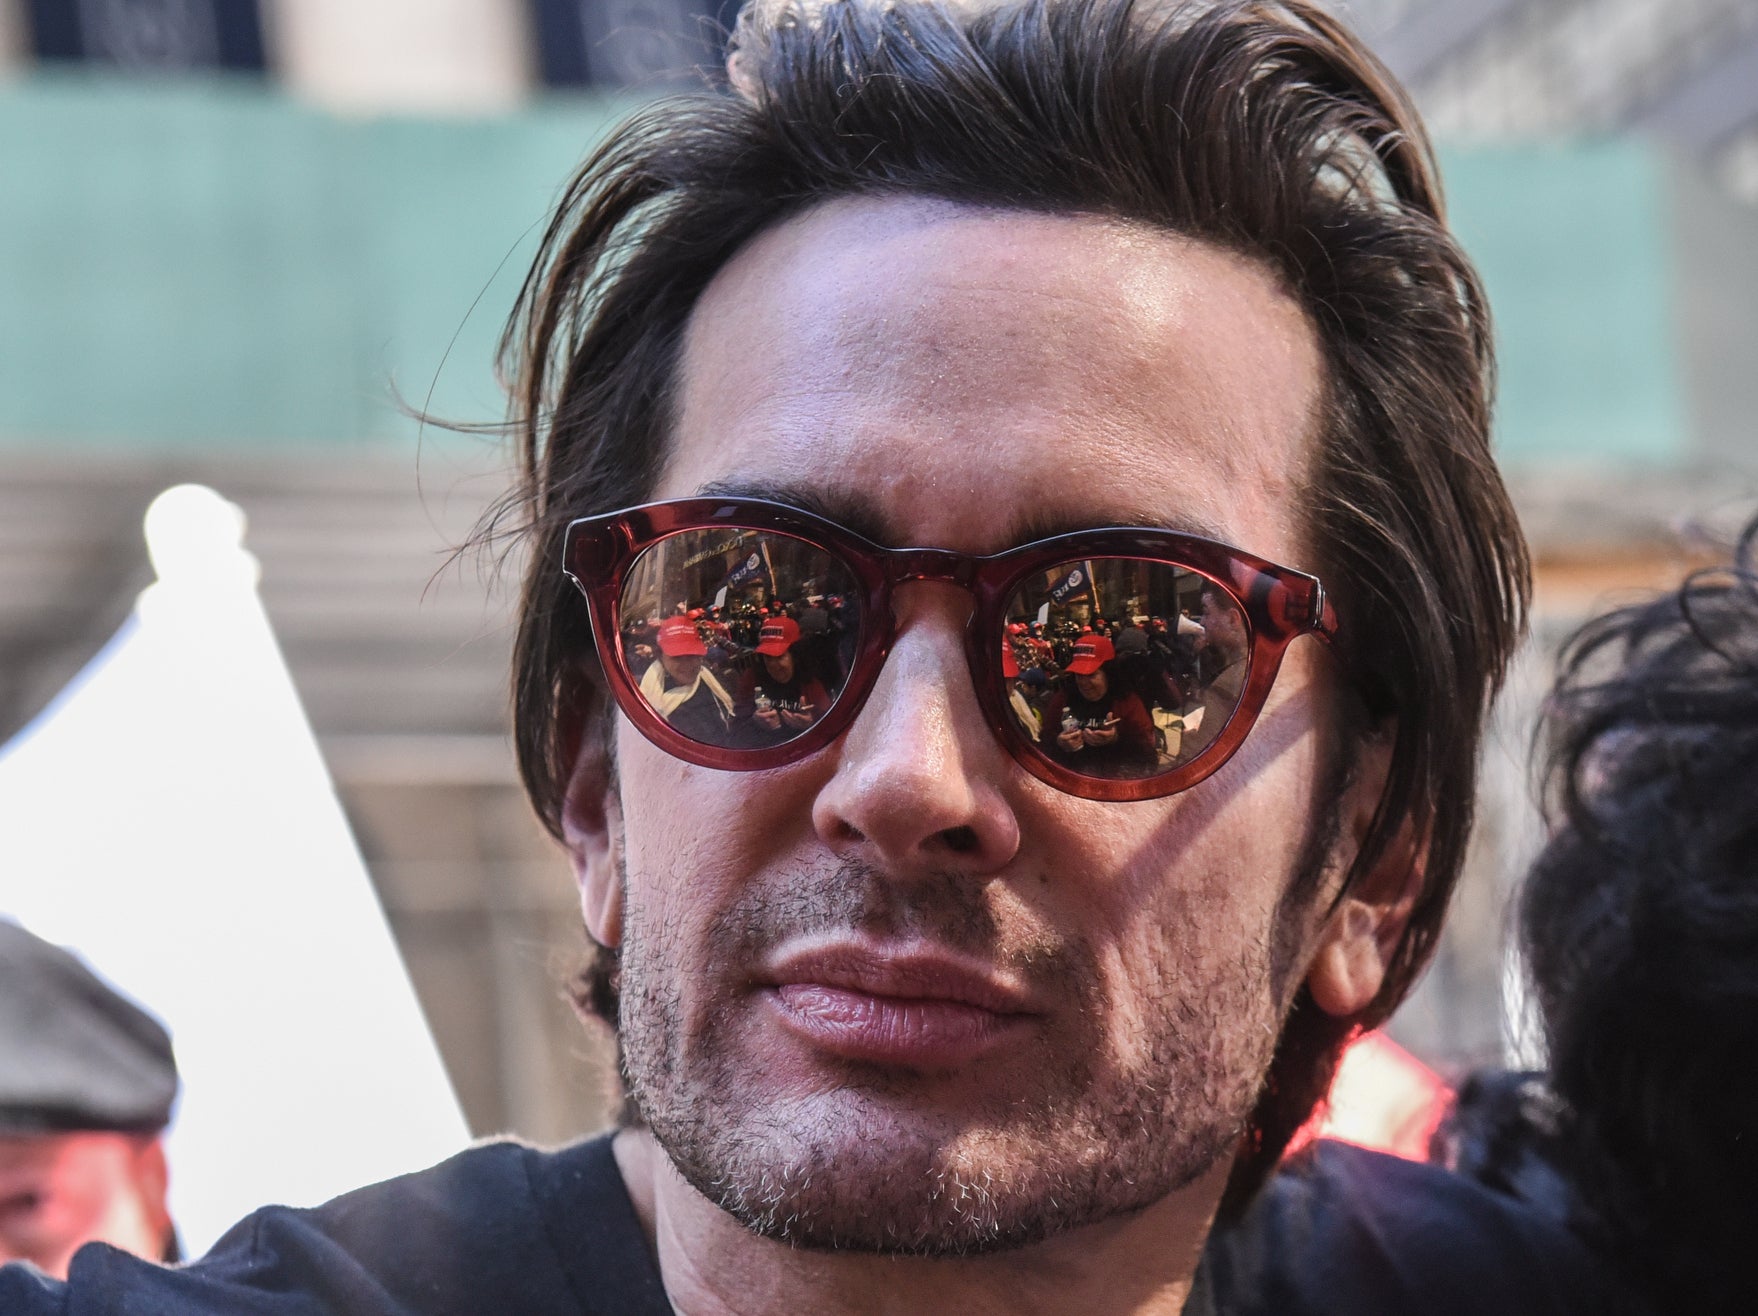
point(73, 1053)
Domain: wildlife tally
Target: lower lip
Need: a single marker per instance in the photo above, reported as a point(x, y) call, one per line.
point(896, 1030)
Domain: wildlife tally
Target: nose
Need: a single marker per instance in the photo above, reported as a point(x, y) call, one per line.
point(918, 780)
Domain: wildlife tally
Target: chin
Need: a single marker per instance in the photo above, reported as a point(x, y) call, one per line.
point(1093, 1113)
point(850, 1171)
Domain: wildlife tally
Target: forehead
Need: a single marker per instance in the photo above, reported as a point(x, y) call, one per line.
point(51, 1152)
point(968, 378)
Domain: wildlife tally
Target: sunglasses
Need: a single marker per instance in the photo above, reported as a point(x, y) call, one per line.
point(1113, 664)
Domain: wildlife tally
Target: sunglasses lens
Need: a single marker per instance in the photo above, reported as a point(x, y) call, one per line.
point(1123, 667)
point(739, 639)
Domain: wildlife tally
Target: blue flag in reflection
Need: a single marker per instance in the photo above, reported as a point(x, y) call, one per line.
point(1077, 584)
point(753, 570)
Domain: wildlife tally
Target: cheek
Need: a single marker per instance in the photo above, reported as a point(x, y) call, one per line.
point(74, 1198)
point(1181, 893)
point(693, 836)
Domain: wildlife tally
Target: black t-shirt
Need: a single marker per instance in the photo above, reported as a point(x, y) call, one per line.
point(800, 695)
point(507, 1228)
point(500, 1228)
point(797, 695)
point(1117, 708)
point(1341, 1230)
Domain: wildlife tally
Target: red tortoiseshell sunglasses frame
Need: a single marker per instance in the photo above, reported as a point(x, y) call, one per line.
point(1278, 604)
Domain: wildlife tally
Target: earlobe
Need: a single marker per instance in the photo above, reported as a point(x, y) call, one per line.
point(1356, 952)
point(1363, 933)
point(1360, 938)
point(592, 832)
point(152, 1182)
point(151, 1172)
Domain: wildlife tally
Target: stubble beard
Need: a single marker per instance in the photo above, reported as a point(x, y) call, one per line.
point(1110, 1116)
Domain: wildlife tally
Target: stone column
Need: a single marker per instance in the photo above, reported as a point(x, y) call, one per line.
point(427, 56)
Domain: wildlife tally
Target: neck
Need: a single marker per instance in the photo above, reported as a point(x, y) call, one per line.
point(713, 1266)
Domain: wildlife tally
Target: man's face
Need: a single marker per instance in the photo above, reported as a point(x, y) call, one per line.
point(780, 665)
point(682, 667)
point(1092, 685)
point(61, 1191)
point(1222, 623)
point(901, 995)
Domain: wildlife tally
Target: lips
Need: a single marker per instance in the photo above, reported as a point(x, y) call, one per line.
point(915, 1008)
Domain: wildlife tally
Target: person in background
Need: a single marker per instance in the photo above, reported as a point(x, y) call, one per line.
point(1030, 719)
point(1220, 649)
point(1093, 718)
point(784, 699)
point(1639, 926)
point(681, 688)
point(87, 1081)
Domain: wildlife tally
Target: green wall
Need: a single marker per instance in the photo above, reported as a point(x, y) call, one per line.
point(212, 264)
point(1573, 245)
point(187, 264)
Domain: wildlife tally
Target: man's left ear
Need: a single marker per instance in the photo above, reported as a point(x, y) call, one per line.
point(152, 1181)
point(1360, 936)
point(592, 835)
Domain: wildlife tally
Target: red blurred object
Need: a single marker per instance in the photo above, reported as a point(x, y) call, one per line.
point(1382, 1098)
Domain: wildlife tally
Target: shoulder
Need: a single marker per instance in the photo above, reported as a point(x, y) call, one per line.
point(442, 1215)
point(1346, 1230)
point(24, 1291)
point(474, 1233)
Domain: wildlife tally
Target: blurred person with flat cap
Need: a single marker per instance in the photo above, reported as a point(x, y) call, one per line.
point(87, 1081)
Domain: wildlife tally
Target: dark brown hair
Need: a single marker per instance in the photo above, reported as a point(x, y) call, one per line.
point(1265, 128)
point(1639, 923)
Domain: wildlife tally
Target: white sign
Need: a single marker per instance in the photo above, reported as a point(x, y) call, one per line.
point(169, 818)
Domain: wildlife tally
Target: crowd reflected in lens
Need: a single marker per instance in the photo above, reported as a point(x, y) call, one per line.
point(1123, 667)
point(1115, 668)
point(739, 638)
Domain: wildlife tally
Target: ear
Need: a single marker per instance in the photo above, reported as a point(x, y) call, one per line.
point(592, 832)
point(1360, 936)
point(152, 1181)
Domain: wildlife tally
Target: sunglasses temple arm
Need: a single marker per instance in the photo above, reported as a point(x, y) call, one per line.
point(1324, 621)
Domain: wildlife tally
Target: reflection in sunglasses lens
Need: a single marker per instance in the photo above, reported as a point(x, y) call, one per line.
point(1123, 667)
point(739, 638)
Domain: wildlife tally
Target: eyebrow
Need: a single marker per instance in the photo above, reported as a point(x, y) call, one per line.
point(850, 511)
point(860, 514)
point(1043, 525)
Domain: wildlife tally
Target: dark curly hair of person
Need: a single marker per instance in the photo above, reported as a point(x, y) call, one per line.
point(1640, 927)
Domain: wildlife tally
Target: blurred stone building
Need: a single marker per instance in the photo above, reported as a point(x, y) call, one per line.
point(245, 269)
